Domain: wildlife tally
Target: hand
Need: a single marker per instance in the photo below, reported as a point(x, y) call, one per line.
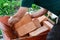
point(12, 20)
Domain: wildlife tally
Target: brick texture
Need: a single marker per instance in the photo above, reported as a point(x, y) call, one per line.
point(25, 29)
point(36, 22)
point(26, 19)
point(4, 20)
point(48, 24)
point(42, 18)
point(7, 31)
point(39, 31)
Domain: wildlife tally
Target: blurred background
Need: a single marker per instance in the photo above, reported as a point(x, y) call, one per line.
point(9, 7)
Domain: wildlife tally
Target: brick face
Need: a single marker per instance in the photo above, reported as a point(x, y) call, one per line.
point(42, 18)
point(26, 19)
point(26, 28)
point(4, 20)
point(36, 22)
point(48, 24)
point(7, 31)
point(38, 31)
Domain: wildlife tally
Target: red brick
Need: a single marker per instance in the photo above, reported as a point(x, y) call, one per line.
point(26, 19)
point(7, 30)
point(42, 18)
point(48, 24)
point(25, 29)
point(36, 22)
point(38, 31)
point(39, 37)
point(4, 19)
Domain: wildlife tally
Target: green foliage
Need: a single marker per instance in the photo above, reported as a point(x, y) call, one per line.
point(35, 7)
point(8, 7)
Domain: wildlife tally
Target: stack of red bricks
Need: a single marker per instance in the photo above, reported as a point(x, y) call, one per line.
point(30, 28)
